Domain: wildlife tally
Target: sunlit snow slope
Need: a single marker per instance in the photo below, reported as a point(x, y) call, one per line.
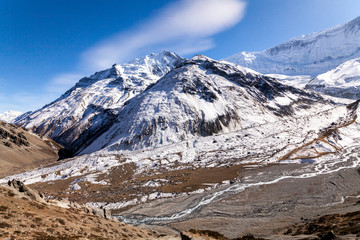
point(200, 98)
point(342, 81)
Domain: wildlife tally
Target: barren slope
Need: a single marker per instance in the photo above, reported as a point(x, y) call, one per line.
point(23, 218)
point(21, 151)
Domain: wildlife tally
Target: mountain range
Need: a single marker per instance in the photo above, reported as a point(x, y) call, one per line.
point(183, 99)
point(86, 110)
point(164, 140)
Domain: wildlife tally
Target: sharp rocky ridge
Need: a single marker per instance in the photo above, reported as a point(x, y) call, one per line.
point(163, 99)
point(311, 54)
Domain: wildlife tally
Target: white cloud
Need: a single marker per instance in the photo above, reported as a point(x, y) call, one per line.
point(185, 26)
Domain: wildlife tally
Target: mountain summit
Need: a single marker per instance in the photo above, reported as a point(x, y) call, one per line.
point(92, 103)
point(310, 54)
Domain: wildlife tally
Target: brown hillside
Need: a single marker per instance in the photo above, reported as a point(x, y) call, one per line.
point(21, 151)
point(23, 218)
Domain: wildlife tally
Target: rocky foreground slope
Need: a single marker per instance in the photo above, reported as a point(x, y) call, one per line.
point(24, 214)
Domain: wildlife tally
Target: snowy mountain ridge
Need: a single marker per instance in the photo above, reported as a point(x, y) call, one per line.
point(93, 102)
point(310, 54)
point(10, 116)
point(342, 81)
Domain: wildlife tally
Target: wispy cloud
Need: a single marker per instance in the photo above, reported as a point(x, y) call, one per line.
point(185, 26)
point(62, 82)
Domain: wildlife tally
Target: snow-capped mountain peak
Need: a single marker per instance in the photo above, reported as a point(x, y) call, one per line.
point(163, 99)
point(310, 54)
point(151, 67)
point(92, 102)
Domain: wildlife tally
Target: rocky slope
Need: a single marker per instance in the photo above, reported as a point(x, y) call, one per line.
point(89, 107)
point(311, 54)
point(342, 81)
point(21, 151)
point(24, 214)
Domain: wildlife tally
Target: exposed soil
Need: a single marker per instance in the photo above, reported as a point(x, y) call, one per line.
point(21, 151)
point(266, 211)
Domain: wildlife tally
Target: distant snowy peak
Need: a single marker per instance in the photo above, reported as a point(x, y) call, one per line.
point(342, 81)
point(310, 54)
point(9, 116)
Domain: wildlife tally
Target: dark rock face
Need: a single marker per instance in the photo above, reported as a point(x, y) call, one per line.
point(98, 124)
point(201, 88)
point(20, 187)
point(208, 128)
point(9, 136)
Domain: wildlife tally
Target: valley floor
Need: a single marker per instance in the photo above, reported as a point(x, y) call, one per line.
point(286, 209)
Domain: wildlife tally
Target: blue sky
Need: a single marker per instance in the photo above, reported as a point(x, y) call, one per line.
point(46, 46)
